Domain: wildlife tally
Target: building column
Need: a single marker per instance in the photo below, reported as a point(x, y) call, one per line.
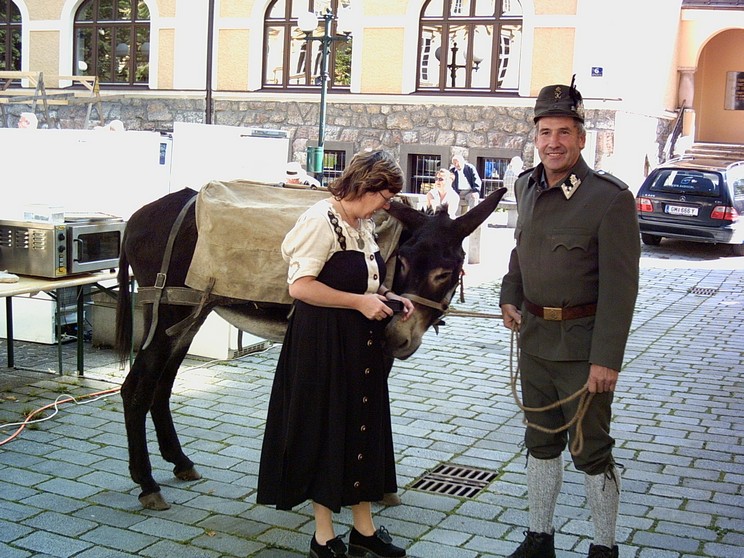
point(685, 97)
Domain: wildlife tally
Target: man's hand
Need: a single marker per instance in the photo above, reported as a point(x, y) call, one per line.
point(601, 379)
point(512, 316)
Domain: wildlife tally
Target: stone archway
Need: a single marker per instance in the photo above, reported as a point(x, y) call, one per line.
point(714, 123)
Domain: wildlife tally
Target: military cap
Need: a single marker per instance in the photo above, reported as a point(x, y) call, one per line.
point(559, 100)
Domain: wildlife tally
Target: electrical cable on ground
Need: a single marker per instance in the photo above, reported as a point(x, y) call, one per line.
point(89, 398)
point(61, 399)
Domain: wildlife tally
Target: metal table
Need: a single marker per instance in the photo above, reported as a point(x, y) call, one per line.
point(32, 285)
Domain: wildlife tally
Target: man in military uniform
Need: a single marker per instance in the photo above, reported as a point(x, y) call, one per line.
point(570, 291)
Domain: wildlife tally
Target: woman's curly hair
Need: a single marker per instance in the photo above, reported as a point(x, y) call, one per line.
point(368, 171)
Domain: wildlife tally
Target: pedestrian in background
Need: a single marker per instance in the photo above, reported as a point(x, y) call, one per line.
point(442, 194)
point(513, 170)
point(467, 183)
point(295, 174)
point(28, 121)
point(570, 291)
point(328, 434)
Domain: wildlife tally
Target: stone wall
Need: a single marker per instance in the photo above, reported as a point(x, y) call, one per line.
point(363, 125)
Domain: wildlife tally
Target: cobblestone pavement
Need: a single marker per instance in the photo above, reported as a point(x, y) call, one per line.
point(679, 424)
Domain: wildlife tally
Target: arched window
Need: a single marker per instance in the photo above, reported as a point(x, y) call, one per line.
point(10, 36)
point(287, 62)
point(112, 41)
point(469, 45)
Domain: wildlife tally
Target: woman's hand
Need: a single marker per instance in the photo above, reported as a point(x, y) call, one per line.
point(408, 306)
point(373, 307)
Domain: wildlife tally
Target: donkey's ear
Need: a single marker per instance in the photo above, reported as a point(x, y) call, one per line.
point(411, 218)
point(466, 224)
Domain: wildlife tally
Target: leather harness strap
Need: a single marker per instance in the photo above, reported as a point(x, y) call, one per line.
point(180, 296)
point(162, 276)
point(559, 314)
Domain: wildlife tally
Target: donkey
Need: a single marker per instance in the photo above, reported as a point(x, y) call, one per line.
point(427, 271)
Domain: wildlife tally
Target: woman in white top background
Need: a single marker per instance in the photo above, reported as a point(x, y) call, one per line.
point(443, 193)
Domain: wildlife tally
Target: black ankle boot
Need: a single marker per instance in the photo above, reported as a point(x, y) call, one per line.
point(335, 548)
point(599, 551)
point(379, 545)
point(535, 545)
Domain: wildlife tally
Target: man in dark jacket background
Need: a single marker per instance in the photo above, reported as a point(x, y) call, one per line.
point(570, 291)
point(467, 183)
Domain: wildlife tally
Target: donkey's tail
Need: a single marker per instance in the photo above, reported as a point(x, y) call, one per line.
point(123, 308)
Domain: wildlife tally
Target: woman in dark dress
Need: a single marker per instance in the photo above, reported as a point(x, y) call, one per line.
point(328, 433)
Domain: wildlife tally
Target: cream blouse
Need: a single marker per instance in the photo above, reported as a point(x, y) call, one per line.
point(313, 240)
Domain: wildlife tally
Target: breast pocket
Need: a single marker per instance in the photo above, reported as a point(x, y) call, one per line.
point(572, 256)
point(571, 241)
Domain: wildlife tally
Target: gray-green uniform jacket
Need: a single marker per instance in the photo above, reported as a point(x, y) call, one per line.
point(576, 243)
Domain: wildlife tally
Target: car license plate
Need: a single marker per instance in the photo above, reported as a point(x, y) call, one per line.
point(681, 210)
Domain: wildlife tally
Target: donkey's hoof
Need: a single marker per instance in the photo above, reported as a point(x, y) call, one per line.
point(154, 501)
point(190, 474)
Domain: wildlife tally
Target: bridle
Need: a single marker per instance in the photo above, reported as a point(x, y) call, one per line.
point(442, 307)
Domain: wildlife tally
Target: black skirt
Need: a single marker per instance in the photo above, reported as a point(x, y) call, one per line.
point(328, 434)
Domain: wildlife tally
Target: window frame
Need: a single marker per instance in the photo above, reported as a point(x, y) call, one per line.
point(340, 50)
point(502, 156)
point(466, 26)
point(12, 24)
point(344, 148)
point(134, 30)
point(408, 155)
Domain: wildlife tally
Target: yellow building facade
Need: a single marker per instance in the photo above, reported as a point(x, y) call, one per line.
point(636, 64)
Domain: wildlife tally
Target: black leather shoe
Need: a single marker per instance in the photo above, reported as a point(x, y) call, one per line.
point(379, 545)
point(335, 548)
point(390, 499)
point(535, 545)
point(599, 551)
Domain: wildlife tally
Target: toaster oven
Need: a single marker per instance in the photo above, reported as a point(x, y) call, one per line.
point(79, 245)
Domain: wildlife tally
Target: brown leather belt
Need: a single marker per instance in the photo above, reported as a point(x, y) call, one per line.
point(558, 314)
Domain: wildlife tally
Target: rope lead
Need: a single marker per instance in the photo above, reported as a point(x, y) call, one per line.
point(585, 399)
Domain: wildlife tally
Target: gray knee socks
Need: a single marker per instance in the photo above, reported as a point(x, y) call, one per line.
point(603, 495)
point(544, 481)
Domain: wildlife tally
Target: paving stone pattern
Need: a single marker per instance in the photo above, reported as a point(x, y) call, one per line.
point(679, 423)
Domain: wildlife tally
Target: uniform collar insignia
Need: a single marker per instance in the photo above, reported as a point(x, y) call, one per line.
point(570, 186)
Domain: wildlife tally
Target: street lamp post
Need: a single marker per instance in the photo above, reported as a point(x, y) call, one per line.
point(308, 23)
point(454, 66)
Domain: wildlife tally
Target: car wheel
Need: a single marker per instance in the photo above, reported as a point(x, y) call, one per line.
point(650, 239)
point(737, 249)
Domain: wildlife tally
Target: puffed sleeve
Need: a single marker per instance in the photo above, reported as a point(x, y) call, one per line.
point(307, 247)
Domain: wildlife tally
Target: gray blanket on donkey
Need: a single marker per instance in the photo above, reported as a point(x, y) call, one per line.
point(241, 227)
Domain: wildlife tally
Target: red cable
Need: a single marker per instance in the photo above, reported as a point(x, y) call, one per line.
point(55, 404)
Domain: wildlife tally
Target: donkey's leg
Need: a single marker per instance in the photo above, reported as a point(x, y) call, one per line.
point(137, 395)
point(168, 442)
point(170, 445)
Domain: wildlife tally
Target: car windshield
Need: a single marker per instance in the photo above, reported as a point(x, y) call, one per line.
point(682, 181)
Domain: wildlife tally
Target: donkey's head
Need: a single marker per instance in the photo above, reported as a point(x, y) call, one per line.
point(429, 265)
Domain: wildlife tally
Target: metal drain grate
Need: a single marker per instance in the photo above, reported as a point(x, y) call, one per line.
point(703, 291)
point(256, 347)
point(454, 480)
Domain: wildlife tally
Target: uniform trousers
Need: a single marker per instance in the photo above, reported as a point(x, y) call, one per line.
point(545, 382)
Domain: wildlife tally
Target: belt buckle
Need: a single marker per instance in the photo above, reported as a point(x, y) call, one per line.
point(553, 314)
